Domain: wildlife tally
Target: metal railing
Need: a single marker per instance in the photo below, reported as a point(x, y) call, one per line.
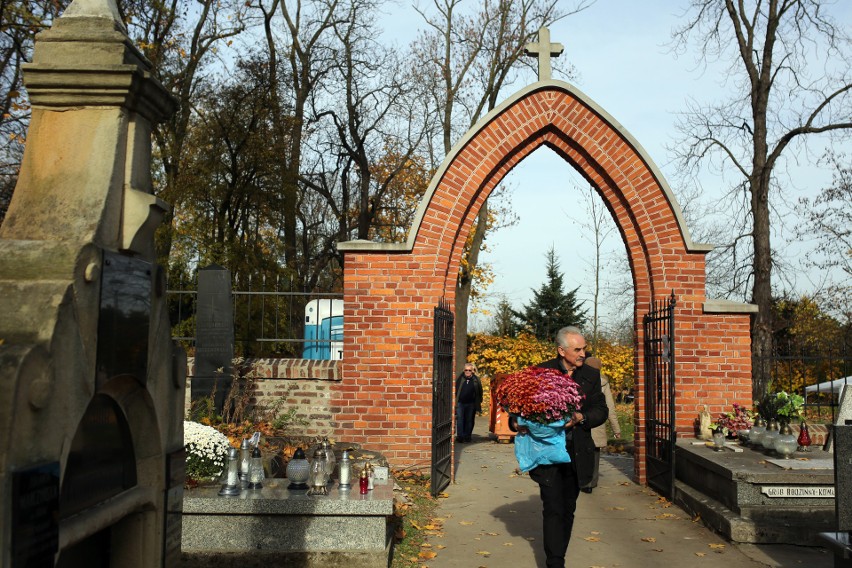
point(270, 318)
point(817, 372)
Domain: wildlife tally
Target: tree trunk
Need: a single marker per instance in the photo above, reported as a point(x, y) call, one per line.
point(464, 287)
point(761, 330)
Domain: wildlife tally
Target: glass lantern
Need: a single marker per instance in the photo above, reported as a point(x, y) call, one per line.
point(786, 443)
point(718, 440)
point(319, 476)
point(231, 486)
point(298, 471)
point(804, 438)
point(256, 470)
point(770, 436)
point(755, 435)
point(330, 459)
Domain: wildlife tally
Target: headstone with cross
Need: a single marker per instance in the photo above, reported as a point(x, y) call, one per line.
point(544, 50)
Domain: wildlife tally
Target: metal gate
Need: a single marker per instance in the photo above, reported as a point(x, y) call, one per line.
point(442, 398)
point(660, 433)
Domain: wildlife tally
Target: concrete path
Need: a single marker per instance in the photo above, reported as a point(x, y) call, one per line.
point(491, 518)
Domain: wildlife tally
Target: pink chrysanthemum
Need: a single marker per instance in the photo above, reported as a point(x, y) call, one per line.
point(540, 395)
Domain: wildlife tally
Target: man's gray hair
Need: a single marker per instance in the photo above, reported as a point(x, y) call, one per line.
point(562, 334)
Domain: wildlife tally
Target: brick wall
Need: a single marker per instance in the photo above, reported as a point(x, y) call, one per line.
point(385, 393)
point(293, 383)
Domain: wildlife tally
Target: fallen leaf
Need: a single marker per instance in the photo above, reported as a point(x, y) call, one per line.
point(649, 539)
point(442, 495)
point(508, 544)
point(492, 534)
point(594, 539)
point(425, 545)
point(530, 538)
point(615, 509)
point(701, 554)
point(657, 549)
point(713, 545)
point(427, 554)
point(484, 553)
point(431, 527)
point(440, 546)
point(466, 523)
point(595, 532)
point(667, 516)
point(416, 526)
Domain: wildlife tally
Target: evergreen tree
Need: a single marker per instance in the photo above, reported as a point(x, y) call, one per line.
point(551, 307)
point(504, 323)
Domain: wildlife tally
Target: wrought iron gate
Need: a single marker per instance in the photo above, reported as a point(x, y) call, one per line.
point(660, 433)
point(442, 398)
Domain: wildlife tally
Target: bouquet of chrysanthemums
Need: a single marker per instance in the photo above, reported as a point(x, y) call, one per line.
point(543, 400)
point(206, 450)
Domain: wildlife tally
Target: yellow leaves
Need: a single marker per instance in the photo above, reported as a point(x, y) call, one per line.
point(466, 523)
point(592, 539)
point(484, 553)
point(716, 546)
point(427, 554)
point(648, 539)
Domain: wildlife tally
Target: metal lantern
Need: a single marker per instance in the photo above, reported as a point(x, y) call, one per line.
point(232, 487)
point(256, 470)
point(319, 477)
point(298, 470)
point(804, 438)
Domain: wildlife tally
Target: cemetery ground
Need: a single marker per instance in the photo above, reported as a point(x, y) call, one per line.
point(491, 517)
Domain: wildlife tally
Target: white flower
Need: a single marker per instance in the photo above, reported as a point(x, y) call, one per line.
point(206, 449)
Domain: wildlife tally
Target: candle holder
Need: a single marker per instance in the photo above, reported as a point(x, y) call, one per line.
point(319, 477)
point(256, 470)
point(232, 486)
point(786, 443)
point(804, 438)
point(298, 471)
point(345, 475)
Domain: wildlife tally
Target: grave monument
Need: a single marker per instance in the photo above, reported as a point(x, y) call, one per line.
point(91, 440)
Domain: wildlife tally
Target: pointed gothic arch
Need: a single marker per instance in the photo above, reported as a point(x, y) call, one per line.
point(390, 289)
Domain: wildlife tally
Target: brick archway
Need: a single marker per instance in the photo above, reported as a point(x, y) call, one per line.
point(385, 394)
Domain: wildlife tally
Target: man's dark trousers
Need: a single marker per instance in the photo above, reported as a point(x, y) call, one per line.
point(559, 501)
point(465, 415)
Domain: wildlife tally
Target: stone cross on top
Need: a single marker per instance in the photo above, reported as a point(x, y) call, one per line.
point(544, 50)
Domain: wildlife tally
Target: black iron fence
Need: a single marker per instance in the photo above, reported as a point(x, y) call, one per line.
point(818, 372)
point(271, 319)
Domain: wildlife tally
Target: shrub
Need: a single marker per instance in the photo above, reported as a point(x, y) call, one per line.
point(206, 450)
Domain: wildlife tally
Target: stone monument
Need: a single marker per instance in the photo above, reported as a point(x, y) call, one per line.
point(91, 440)
point(214, 335)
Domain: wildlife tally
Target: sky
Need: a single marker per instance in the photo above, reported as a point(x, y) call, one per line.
point(620, 51)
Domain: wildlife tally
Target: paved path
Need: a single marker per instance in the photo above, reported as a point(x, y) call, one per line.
point(491, 518)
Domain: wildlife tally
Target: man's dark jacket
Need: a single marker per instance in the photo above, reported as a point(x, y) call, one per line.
point(594, 409)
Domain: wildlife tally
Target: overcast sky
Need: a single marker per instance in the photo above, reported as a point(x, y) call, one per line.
point(620, 51)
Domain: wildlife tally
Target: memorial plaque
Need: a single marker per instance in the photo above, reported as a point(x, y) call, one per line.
point(798, 491)
point(843, 475)
point(214, 334)
point(35, 516)
point(175, 479)
point(124, 320)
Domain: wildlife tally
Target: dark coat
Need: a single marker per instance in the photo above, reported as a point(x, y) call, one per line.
point(477, 388)
point(594, 409)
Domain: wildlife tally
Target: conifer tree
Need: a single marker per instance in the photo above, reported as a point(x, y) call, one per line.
point(551, 307)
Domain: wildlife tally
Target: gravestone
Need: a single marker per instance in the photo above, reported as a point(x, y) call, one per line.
point(844, 413)
point(843, 475)
point(93, 385)
point(214, 335)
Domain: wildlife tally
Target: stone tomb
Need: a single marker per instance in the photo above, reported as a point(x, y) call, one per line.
point(750, 496)
point(275, 525)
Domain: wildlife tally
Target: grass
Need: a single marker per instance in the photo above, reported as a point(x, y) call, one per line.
point(415, 520)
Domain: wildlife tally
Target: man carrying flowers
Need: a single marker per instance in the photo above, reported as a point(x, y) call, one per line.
point(559, 483)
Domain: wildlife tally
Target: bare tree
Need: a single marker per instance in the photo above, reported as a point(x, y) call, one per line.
point(790, 76)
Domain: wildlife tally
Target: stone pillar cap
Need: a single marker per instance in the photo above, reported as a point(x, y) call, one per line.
point(95, 9)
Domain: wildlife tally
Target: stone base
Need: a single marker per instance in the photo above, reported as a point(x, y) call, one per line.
point(729, 491)
point(265, 559)
point(344, 527)
point(840, 544)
